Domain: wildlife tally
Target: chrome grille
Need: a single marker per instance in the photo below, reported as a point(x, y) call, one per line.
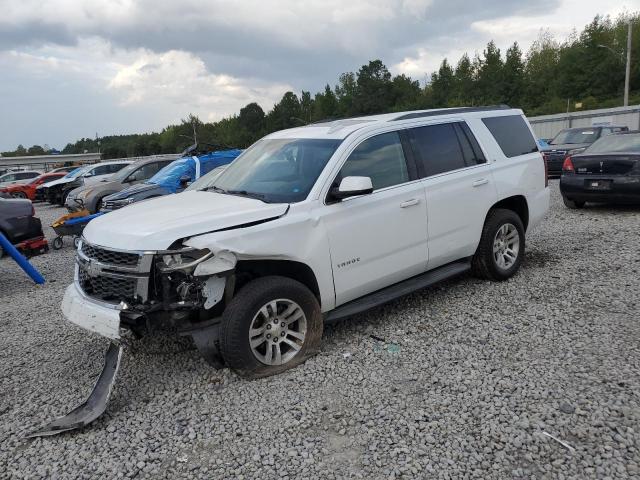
point(107, 288)
point(110, 257)
point(113, 205)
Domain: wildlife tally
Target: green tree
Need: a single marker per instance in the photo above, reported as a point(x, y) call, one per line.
point(442, 85)
point(374, 89)
point(405, 93)
point(513, 77)
point(464, 82)
point(35, 150)
point(325, 104)
point(490, 76)
point(346, 91)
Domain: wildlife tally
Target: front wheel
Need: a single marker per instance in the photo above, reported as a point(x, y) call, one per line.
point(20, 195)
point(501, 247)
point(272, 324)
point(572, 204)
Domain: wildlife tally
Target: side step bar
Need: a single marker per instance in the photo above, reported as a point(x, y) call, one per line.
point(397, 290)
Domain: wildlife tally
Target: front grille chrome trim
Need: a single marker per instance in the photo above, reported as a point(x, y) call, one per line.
point(90, 270)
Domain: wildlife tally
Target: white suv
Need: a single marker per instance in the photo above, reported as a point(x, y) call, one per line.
point(314, 224)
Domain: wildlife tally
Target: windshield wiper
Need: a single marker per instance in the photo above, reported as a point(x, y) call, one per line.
point(244, 193)
point(215, 189)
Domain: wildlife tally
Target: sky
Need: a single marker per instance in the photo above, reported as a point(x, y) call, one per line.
point(76, 68)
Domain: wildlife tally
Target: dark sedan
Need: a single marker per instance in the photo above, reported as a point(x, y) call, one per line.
point(606, 172)
point(572, 141)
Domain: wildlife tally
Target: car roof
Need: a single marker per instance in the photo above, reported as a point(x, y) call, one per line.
point(341, 128)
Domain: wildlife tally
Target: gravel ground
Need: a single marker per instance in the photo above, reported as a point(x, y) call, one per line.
point(463, 380)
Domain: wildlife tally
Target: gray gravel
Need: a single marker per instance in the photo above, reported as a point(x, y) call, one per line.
point(469, 379)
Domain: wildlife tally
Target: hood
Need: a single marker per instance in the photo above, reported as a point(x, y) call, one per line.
point(155, 224)
point(99, 187)
point(565, 146)
point(59, 181)
point(130, 191)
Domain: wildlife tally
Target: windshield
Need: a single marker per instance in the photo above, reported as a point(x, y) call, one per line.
point(120, 175)
point(77, 172)
point(277, 170)
point(628, 142)
point(206, 180)
point(580, 135)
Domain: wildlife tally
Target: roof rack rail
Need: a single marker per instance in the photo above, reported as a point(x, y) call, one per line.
point(449, 111)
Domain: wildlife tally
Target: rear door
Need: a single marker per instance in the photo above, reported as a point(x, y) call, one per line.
point(378, 239)
point(459, 188)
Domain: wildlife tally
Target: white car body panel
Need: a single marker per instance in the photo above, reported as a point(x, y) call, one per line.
point(158, 222)
point(355, 246)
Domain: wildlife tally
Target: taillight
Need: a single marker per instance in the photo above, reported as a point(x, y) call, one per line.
point(567, 166)
point(546, 170)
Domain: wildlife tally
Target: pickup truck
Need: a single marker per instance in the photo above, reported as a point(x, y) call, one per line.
point(311, 225)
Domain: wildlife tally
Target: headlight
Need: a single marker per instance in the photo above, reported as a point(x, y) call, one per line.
point(185, 260)
point(84, 194)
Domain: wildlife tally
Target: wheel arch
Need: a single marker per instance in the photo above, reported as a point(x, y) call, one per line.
point(516, 203)
point(250, 269)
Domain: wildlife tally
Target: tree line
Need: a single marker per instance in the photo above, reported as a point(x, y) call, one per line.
point(587, 68)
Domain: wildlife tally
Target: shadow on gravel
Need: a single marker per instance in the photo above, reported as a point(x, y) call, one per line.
point(539, 258)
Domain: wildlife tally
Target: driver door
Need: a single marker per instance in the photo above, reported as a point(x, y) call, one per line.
point(378, 239)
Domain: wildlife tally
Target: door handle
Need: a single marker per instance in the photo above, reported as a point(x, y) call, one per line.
point(482, 181)
point(410, 203)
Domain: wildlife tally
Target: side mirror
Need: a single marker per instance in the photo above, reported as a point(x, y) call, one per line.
point(135, 176)
point(352, 187)
point(184, 181)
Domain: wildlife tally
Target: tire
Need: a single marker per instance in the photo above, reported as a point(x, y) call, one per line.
point(21, 195)
point(63, 197)
point(486, 263)
point(572, 204)
point(98, 205)
point(252, 307)
point(76, 241)
point(57, 243)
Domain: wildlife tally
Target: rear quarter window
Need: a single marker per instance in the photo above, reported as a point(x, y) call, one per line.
point(512, 134)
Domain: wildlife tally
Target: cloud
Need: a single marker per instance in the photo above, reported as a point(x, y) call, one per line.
point(140, 64)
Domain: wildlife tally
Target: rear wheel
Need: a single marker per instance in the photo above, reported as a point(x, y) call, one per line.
point(501, 247)
point(272, 324)
point(57, 243)
point(19, 195)
point(572, 204)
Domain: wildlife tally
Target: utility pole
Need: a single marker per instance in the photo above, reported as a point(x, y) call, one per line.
point(628, 71)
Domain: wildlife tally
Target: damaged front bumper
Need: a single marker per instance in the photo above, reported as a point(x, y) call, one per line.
point(97, 317)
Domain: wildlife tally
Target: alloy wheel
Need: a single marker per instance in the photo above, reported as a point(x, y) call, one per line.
point(506, 246)
point(277, 332)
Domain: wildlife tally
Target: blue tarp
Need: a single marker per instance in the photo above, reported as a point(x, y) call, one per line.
point(169, 177)
point(87, 219)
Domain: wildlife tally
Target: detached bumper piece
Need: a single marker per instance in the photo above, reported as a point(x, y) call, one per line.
point(94, 405)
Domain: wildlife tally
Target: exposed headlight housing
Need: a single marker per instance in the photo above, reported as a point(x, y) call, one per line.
point(183, 260)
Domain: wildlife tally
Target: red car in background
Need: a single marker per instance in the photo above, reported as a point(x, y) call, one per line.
point(28, 190)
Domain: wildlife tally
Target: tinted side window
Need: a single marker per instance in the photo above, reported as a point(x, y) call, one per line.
point(101, 170)
point(437, 148)
point(381, 158)
point(467, 134)
point(512, 134)
point(116, 167)
point(150, 169)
